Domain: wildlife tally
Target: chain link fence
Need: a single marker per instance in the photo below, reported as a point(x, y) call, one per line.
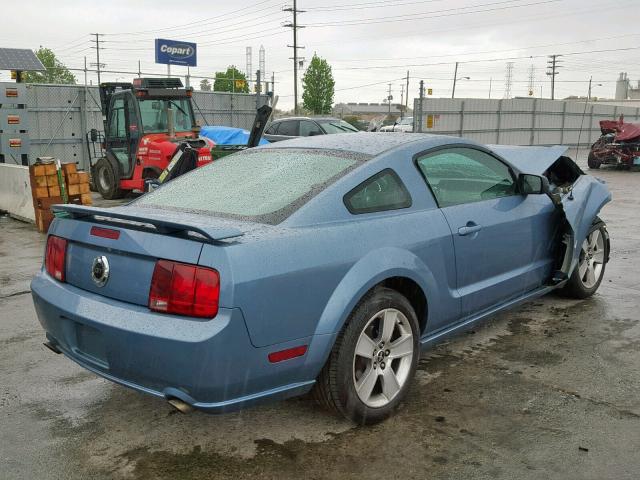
point(60, 116)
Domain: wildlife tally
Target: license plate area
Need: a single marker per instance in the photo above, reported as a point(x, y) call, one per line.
point(90, 345)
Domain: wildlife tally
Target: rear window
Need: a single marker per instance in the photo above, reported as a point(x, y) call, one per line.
point(262, 185)
point(337, 126)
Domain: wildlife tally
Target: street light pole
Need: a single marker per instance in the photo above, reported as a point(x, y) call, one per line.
point(455, 77)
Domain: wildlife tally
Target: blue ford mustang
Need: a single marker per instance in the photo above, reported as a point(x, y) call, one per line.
point(323, 263)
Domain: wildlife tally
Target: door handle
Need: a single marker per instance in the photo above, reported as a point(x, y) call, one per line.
point(469, 228)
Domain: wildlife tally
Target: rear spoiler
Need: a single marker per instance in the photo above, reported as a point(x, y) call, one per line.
point(167, 227)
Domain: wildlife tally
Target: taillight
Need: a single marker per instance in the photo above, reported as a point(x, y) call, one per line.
point(55, 257)
point(184, 289)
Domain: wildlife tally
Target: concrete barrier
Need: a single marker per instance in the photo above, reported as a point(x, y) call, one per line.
point(15, 192)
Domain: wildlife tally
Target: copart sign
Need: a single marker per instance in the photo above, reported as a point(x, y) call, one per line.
point(175, 52)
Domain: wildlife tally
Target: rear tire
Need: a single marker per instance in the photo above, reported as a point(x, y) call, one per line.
point(107, 180)
point(373, 361)
point(589, 272)
point(593, 162)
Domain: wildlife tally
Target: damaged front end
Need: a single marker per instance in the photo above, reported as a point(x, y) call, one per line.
point(579, 197)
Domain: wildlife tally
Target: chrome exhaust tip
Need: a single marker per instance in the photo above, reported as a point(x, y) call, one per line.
point(182, 407)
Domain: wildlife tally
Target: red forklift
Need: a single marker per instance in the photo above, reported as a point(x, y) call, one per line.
point(147, 124)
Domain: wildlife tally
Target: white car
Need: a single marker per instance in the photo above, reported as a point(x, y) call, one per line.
point(402, 125)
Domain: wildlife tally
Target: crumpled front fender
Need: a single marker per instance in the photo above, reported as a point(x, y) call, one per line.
point(581, 207)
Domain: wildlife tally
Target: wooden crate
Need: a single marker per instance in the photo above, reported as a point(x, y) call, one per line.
point(73, 189)
point(86, 199)
point(40, 192)
point(54, 191)
point(72, 179)
point(83, 177)
point(69, 168)
point(44, 217)
point(52, 180)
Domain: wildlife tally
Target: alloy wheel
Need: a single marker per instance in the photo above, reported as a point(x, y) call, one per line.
point(382, 358)
point(591, 259)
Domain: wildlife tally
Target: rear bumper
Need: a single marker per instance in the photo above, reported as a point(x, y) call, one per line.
point(209, 364)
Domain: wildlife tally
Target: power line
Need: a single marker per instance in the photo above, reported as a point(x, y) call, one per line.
point(181, 27)
point(413, 17)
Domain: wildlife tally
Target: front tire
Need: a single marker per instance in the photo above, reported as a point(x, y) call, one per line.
point(107, 180)
point(588, 274)
point(370, 368)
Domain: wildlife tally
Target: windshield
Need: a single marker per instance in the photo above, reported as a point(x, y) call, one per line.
point(263, 185)
point(406, 121)
point(154, 115)
point(337, 126)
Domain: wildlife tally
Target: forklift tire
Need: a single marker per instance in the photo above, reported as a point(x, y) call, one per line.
point(107, 179)
point(92, 179)
point(593, 162)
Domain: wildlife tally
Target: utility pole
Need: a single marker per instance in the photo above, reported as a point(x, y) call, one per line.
point(294, 26)
point(389, 98)
point(97, 47)
point(455, 77)
point(402, 100)
point(258, 88)
point(552, 71)
point(85, 71)
point(417, 119)
point(490, 85)
point(139, 70)
point(406, 100)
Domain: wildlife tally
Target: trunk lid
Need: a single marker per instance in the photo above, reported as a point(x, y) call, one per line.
point(143, 237)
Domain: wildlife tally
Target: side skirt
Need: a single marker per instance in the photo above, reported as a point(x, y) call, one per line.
point(470, 322)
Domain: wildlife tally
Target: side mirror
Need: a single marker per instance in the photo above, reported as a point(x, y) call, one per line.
point(532, 184)
point(536, 185)
point(93, 134)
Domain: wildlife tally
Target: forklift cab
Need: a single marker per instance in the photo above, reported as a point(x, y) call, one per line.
point(135, 114)
point(122, 131)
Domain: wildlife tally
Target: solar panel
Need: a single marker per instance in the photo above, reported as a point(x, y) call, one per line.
point(20, 59)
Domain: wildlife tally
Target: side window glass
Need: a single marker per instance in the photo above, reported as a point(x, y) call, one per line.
point(289, 128)
point(465, 175)
point(117, 124)
point(308, 128)
point(383, 191)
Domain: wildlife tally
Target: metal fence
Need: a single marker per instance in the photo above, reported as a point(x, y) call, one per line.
point(519, 121)
point(59, 117)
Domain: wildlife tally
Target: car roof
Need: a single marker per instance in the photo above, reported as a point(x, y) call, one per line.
point(304, 118)
point(368, 143)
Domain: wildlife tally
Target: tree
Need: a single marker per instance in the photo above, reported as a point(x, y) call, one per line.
point(56, 70)
point(205, 86)
point(318, 86)
point(233, 80)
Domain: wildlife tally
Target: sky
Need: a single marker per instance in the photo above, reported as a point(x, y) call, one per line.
point(368, 43)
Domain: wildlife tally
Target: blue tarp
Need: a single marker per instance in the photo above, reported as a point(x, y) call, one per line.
point(228, 135)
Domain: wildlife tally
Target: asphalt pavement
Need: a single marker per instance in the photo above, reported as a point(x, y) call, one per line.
point(548, 390)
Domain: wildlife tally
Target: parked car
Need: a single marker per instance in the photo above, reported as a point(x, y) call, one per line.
point(288, 128)
point(321, 264)
point(404, 125)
